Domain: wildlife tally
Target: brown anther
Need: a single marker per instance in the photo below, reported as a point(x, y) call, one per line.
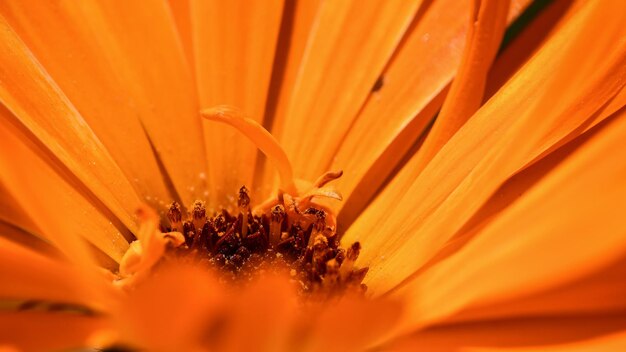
point(244, 208)
point(354, 251)
point(332, 274)
point(243, 201)
point(198, 214)
point(352, 255)
point(175, 216)
point(319, 224)
point(277, 215)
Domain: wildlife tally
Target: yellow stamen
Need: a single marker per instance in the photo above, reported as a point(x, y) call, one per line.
point(260, 137)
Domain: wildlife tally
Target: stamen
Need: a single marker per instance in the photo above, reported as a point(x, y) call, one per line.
point(244, 208)
point(319, 224)
point(260, 137)
point(282, 238)
point(348, 264)
point(276, 222)
point(175, 216)
point(198, 214)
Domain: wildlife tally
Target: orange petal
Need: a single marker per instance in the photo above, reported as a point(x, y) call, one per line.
point(541, 242)
point(526, 334)
point(27, 275)
point(234, 44)
point(54, 204)
point(466, 93)
point(414, 86)
point(36, 105)
point(181, 11)
point(610, 342)
point(511, 130)
point(123, 68)
point(349, 46)
point(48, 331)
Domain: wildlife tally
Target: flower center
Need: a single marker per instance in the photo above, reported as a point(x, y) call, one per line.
point(301, 242)
point(288, 233)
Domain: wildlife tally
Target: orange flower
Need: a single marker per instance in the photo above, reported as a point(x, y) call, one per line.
point(497, 225)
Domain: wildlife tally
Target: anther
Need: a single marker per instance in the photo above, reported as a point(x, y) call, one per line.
point(198, 214)
point(352, 254)
point(244, 208)
point(175, 217)
point(319, 224)
point(276, 221)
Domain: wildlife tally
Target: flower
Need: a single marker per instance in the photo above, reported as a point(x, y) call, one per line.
point(497, 226)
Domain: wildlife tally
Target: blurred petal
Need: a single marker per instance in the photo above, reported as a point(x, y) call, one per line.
point(611, 342)
point(530, 333)
point(234, 45)
point(27, 275)
point(47, 331)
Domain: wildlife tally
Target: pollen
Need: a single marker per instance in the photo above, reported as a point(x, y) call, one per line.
point(244, 245)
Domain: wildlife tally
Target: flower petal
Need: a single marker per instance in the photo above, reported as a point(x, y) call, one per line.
point(509, 132)
point(54, 203)
point(47, 331)
point(33, 276)
point(123, 68)
point(298, 20)
point(415, 83)
point(542, 241)
point(37, 106)
point(466, 92)
point(234, 46)
point(349, 46)
point(611, 342)
point(530, 333)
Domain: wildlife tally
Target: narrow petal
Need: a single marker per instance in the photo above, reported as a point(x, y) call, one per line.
point(123, 68)
point(299, 17)
point(414, 85)
point(562, 230)
point(466, 93)
point(517, 125)
point(37, 106)
point(56, 206)
point(349, 46)
point(234, 45)
point(181, 11)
